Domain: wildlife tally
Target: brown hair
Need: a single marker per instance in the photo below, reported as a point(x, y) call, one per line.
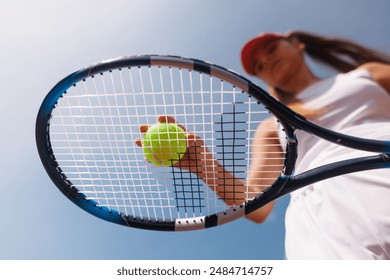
point(340, 54)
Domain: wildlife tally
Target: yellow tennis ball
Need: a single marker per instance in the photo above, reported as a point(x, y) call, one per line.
point(164, 144)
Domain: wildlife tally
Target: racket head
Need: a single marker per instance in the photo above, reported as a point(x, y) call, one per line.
point(87, 125)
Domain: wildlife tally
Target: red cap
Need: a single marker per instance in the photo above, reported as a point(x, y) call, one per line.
point(251, 46)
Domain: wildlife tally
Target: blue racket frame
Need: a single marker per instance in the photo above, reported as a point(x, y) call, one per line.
point(285, 183)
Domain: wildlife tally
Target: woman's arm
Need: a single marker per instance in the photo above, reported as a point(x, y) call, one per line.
point(266, 165)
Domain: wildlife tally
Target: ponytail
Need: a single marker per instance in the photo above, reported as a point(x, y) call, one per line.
point(343, 55)
point(340, 54)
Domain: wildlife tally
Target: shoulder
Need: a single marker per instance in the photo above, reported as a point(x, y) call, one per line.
point(376, 68)
point(267, 129)
point(268, 125)
point(379, 72)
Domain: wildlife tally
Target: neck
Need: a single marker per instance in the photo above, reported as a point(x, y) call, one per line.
point(299, 81)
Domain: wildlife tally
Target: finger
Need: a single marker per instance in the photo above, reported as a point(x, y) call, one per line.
point(170, 119)
point(138, 142)
point(166, 119)
point(143, 128)
point(191, 139)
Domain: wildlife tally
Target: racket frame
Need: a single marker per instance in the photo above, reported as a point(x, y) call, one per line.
point(284, 184)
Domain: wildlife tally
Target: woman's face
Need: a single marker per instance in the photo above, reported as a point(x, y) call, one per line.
point(277, 61)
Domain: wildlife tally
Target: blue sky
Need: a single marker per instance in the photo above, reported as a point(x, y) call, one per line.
point(42, 41)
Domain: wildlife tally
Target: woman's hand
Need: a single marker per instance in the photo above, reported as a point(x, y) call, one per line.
point(197, 154)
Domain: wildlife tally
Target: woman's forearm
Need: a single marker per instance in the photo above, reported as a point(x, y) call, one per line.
point(231, 189)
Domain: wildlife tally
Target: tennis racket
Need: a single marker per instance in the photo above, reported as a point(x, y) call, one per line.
point(88, 131)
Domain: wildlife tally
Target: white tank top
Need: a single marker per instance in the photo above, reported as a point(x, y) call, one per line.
point(347, 217)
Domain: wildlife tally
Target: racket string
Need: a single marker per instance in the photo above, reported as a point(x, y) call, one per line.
point(93, 134)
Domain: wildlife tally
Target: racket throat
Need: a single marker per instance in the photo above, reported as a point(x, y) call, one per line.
point(271, 193)
point(336, 169)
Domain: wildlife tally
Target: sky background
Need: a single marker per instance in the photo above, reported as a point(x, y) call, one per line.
point(42, 41)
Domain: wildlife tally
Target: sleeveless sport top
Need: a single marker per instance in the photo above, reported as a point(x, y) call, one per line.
point(346, 217)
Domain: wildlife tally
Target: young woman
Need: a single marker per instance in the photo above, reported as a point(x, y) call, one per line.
point(354, 222)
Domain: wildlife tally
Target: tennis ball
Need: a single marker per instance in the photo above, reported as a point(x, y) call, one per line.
point(164, 144)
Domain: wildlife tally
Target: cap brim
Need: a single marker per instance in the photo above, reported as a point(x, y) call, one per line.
point(251, 46)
